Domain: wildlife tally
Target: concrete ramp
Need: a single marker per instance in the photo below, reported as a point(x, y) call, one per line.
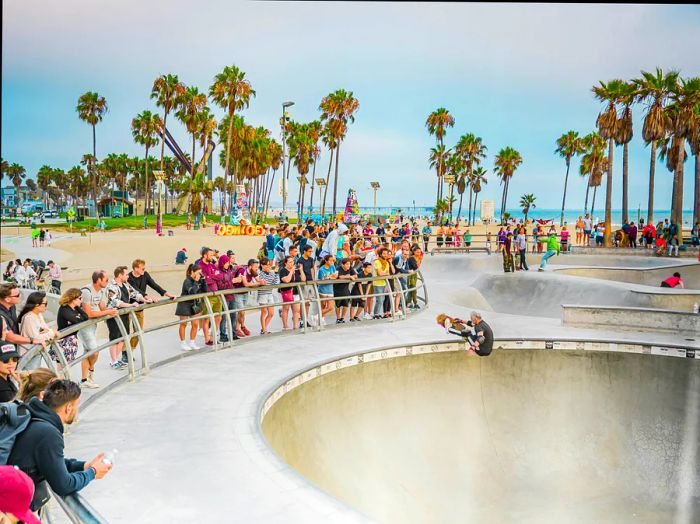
point(522, 436)
point(690, 273)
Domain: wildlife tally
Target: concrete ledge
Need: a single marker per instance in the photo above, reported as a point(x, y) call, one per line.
point(691, 252)
point(632, 318)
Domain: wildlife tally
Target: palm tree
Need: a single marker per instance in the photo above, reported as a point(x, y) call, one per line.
point(17, 174)
point(694, 143)
point(593, 164)
point(91, 108)
point(191, 104)
point(146, 128)
point(472, 150)
point(655, 89)
point(527, 201)
point(439, 159)
point(623, 135)
point(44, 177)
point(478, 180)
point(437, 123)
point(314, 132)
point(329, 141)
point(506, 162)
point(167, 91)
point(607, 124)
point(232, 92)
point(338, 109)
point(568, 145)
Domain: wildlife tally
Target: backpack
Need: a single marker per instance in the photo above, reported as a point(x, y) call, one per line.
point(14, 418)
point(279, 246)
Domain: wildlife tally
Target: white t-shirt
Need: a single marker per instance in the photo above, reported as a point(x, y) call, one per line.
point(93, 298)
point(587, 224)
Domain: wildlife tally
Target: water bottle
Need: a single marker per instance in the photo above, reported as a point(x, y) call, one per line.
point(110, 456)
point(696, 308)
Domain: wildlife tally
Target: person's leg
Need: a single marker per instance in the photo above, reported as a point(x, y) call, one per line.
point(379, 300)
point(135, 340)
point(194, 327)
point(285, 314)
point(296, 314)
point(181, 329)
point(546, 257)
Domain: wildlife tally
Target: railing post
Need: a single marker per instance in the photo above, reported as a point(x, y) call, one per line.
point(391, 295)
point(212, 324)
point(318, 305)
point(303, 307)
point(65, 368)
point(142, 346)
point(126, 339)
point(229, 325)
point(423, 286)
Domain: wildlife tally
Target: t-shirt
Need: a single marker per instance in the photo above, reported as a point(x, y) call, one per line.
point(521, 241)
point(467, 237)
point(412, 264)
point(383, 265)
point(270, 279)
point(307, 266)
point(67, 316)
point(427, 230)
point(8, 388)
point(672, 281)
point(324, 272)
point(284, 273)
point(343, 289)
point(586, 224)
point(93, 298)
point(9, 317)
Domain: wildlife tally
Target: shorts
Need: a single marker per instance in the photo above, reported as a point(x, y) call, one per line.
point(271, 254)
point(587, 232)
point(468, 244)
point(88, 337)
point(357, 301)
point(342, 302)
point(266, 300)
point(579, 230)
point(240, 300)
point(215, 303)
point(113, 327)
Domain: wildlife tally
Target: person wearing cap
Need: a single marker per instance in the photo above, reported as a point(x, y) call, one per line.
point(330, 245)
point(181, 256)
point(38, 450)
point(16, 493)
point(9, 356)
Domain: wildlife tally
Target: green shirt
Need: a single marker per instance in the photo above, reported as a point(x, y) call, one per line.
point(467, 237)
point(552, 243)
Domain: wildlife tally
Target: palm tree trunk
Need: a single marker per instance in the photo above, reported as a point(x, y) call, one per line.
point(588, 188)
point(325, 189)
point(652, 171)
point(145, 187)
point(677, 202)
point(607, 238)
point(93, 174)
point(189, 195)
point(563, 200)
point(476, 199)
point(595, 190)
point(469, 216)
point(335, 179)
point(313, 181)
point(269, 193)
point(696, 203)
point(459, 209)
point(227, 153)
point(625, 182)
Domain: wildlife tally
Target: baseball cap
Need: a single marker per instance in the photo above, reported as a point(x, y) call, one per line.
point(184, 249)
point(230, 252)
point(7, 351)
point(16, 492)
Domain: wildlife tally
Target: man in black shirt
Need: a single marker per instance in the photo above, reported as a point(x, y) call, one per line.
point(480, 338)
point(341, 291)
point(140, 280)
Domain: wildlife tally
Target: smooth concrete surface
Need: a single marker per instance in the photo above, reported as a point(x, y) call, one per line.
point(631, 318)
point(652, 276)
point(188, 432)
point(522, 436)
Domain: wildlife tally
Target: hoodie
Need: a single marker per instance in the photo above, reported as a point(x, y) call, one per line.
point(38, 451)
point(227, 276)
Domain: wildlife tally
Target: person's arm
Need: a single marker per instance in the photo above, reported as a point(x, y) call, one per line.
point(680, 283)
point(101, 313)
point(153, 285)
point(288, 278)
point(50, 462)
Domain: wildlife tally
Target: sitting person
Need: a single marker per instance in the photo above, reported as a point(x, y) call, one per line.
point(181, 256)
point(660, 246)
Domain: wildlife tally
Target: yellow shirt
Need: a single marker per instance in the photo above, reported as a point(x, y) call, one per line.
point(383, 265)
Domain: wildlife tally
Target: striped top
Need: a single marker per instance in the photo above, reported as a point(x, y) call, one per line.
point(270, 279)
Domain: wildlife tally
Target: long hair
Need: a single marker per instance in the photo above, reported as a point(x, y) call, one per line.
point(33, 300)
point(69, 296)
point(34, 382)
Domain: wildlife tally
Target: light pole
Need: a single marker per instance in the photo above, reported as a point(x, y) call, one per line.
point(375, 187)
point(159, 176)
point(285, 105)
point(321, 183)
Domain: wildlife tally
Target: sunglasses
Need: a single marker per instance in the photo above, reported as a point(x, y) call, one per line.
point(14, 296)
point(43, 303)
point(10, 359)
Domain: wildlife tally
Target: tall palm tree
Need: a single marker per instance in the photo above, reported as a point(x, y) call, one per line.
point(478, 181)
point(167, 91)
point(17, 174)
point(607, 122)
point(473, 151)
point(593, 164)
point(568, 145)
point(232, 92)
point(694, 143)
point(91, 109)
point(44, 177)
point(191, 104)
point(338, 109)
point(655, 88)
point(439, 159)
point(314, 132)
point(527, 202)
point(623, 135)
point(146, 128)
point(506, 162)
point(437, 123)
point(329, 141)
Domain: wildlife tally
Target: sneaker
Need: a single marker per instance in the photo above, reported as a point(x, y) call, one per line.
point(368, 316)
point(399, 313)
point(376, 317)
point(540, 269)
point(193, 345)
point(184, 346)
point(357, 319)
point(88, 384)
point(209, 343)
point(223, 337)
point(240, 333)
point(322, 321)
point(125, 358)
point(118, 366)
point(245, 330)
point(352, 319)
point(339, 321)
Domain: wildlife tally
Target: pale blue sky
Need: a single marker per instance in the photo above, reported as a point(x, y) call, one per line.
point(516, 75)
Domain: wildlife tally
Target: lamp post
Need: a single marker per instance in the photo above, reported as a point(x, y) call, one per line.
point(375, 186)
point(159, 176)
point(285, 105)
point(321, 183)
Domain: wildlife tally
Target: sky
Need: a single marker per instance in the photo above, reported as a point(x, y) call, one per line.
point(516, 75)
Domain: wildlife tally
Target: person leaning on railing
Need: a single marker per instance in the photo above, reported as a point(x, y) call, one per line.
point(33, 326)
point(189, 310)
point(9, 298)
point(70, 313)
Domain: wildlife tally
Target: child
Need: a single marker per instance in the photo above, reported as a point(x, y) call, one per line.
point(673, 245)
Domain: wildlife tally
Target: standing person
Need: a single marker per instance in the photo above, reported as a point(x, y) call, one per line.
point(414, 263)
point(427, 231)
point(69, 314)
point(213, 277)
point(42, 237)
point(507, 254)
point(649, 234)
point(327, 271)
point(55, 276)
point(381, 231)
point(501, 236)
point(382, 268)
point(564, 238)
point(467, 240)
point(579, 231)
point(440, 236)
point(265, 297)
point(341, 291)
point(39, 449)
point(552, 249)
point(290, 273)
point(120, 295)
point(521, 247)
point(358, 292)
point(673, 246)
point(9, 298)
point(599, 234)
point(189, 310)
point(9, 357)
point(33, 326)
point(95, 306)
point(308, 266)
point(632, 234)
point(449, 236)
point(140, 280)
point(587, 229)
point(270, 242)
point(400, 263)
point(229, 280)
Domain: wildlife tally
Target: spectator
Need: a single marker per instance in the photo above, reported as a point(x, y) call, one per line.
point(32, 324)
point(564, 239)
point(327, 271)
point(290, 273)
point(140, 280)
point(69, 314)
point(508, 266)
point(632, 234)
point(9, 298)
point(34, 382)
point(414, 263)
point(382, 267)
point(181, 256)
point(587, 229)
point(94, 298)
point(521, 247)
point(330, 245)
point(270, 242)
point(341, 291)
point(39, 448)
point(227, 282)
point(55, 276)
point(307, 265)
point(427, 231)
point(9, 273)
point(250, 279)
point(189, 310)
point(673, 246)
point(120, 295)
point(16, 493)
point(9, 356)
point(265, 297)
point(401, 265)
point(358, 299)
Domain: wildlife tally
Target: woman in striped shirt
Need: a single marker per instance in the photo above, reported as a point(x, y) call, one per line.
point(268, 273)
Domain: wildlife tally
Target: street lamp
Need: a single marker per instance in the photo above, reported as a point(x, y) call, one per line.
point(375, 187)
point(285, 105)
point(321, 183)
point(159, 176)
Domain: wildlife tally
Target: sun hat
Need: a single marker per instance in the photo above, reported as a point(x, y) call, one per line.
point(16, 493)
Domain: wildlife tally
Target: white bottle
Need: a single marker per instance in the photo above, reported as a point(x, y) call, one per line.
point(110, 457)
point(696, 308)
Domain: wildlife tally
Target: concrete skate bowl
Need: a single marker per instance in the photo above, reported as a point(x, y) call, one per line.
point(651, 276)
point(521, 436)
point(542, 294)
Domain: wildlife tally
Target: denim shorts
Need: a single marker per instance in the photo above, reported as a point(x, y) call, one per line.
point(240, 300)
